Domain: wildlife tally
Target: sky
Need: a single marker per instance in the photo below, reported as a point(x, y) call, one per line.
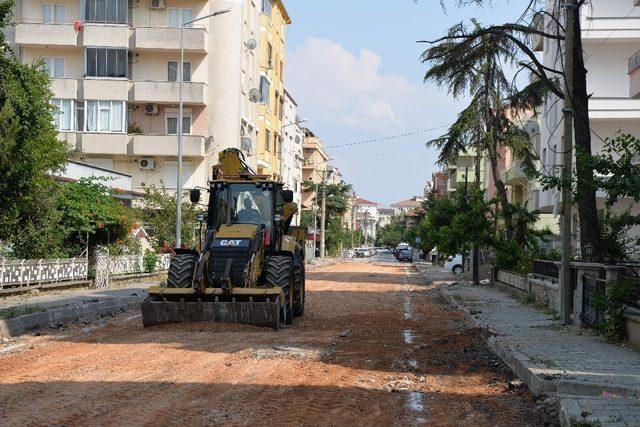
point(353, 66)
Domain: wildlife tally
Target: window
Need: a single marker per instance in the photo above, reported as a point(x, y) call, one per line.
point(63, 118)
point(281, 108)
point(54, 67)
point(266, 7)
point(179, 16)
point(103, 62)
point(172, 71)
point(171, 174)
point(264, 89)
point(53, 13)
point(267, 140)
point(269, 55)
point(171, 121)
point(105, 116)
point(113, 11)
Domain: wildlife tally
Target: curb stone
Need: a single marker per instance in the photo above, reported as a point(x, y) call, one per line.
point(74, 313)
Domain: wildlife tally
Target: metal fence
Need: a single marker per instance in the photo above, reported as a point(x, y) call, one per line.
point(632, 273)
point(545, 268)
point(593, 297)
point(35, 272)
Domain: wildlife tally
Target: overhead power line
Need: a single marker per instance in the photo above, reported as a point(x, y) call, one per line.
point(388, 138)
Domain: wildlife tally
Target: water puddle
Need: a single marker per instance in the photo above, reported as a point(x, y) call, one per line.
point(408, 336)
point(408, 310)
point(415, 404)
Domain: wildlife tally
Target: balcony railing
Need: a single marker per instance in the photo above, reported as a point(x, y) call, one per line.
point(167, 145)
point(159, 38)
point(37, 33)
point(163, 92)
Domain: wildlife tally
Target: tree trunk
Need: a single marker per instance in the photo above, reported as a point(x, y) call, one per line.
point(590, 232)
point(502, 194)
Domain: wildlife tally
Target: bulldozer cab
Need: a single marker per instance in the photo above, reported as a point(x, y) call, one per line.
point(259, 203)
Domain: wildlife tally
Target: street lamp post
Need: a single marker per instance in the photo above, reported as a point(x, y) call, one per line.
point(180, 118)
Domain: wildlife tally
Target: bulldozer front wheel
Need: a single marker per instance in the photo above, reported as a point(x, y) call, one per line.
point(280, 273)
point(181, 270)
point(299, 291)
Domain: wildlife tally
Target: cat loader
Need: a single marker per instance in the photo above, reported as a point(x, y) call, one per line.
point(251, 265)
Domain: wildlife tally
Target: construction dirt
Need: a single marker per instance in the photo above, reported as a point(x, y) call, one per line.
point(376, 346)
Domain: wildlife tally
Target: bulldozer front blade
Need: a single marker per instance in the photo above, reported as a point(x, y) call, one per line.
point(161, 311)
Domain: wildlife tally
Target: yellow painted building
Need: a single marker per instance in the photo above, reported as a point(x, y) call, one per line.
point(273, 22)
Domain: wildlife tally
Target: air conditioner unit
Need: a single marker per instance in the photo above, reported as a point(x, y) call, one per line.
point(147, 163)
point(157, 4)
point(151, 109)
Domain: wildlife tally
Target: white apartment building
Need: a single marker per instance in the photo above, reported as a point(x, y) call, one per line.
point(291, 151)
point(114, 71)
point(611, 39)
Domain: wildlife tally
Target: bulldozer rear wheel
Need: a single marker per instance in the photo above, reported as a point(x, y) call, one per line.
point(181, 270)
point(299, 291)
point(280, 273)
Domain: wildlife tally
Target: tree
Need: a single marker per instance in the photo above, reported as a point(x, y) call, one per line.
point(89, 209)
point(515, 36)
point(160, 214)
point(485, 125)
point(29, 153)
point(392, 234)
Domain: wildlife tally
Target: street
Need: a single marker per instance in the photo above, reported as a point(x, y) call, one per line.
point(376, 346)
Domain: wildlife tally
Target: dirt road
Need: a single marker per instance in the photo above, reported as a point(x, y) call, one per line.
point(376, 347)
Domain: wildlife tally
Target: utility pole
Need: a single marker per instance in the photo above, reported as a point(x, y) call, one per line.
point(570, 7)
point(476, 250)
point(323, 214)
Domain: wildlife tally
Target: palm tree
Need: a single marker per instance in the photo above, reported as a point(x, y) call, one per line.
point(523, 220)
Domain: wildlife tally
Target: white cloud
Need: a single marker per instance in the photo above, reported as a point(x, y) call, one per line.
point(336, 86)
point(347, 97)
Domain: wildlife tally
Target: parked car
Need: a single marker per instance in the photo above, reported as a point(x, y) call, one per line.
point(405, 255)
point(360, 252)
point(454, 263)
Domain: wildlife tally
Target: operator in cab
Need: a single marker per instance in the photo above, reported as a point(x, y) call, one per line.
point(249, 215)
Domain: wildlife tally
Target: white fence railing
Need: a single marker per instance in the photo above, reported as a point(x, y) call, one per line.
point(33, 273)
point(30, 272)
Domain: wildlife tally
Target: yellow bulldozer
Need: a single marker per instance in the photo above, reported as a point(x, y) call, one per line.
point(251, 264)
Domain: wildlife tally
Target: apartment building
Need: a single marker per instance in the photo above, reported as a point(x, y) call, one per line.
point(291, 151)
point(407, 206)
point(314, 166)
point(367, 219)
point(114, 71)
point(463, 172)
point(610, 37)
point(273, 22)
point(438, 184)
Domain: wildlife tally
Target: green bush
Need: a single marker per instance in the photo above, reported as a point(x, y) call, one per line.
point(150, 261)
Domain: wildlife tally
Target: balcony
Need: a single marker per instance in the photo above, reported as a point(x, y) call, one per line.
point(112, 35)
point(515, 175)
point(38, 34)
point(167, 145)
point(163, 39)
point(162, 92)
point(601, 108)
point(64, 88)
point(105, 89)
point(634, 75)
point(103, 143)
point(613, 27)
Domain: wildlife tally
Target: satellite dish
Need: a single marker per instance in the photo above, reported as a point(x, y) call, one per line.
point(532, 128)
point(298, 140)
point(252, 44)
point(255, 95)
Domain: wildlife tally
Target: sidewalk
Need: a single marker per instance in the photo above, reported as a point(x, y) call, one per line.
point(598, 383)
point(19, 314)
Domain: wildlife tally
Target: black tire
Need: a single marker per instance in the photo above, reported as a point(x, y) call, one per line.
point(181, 270)
point(280, 273)
point(457, 269)
point(299, 291)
